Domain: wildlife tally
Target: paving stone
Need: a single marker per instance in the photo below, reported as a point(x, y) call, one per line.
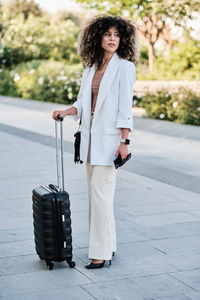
point(164, 218)
point(16, 222)
point(81, 240)
point(21, 189)
point(193, 295)
point(116, 290)
point(123, 236)
point(70, 293)
point(170, 230)
point(122, 221)
point(178, 297)
point(195, 212)
point(184, 260)
point(40, 281)
point(21, 264)
point(16, 234)
point(135, 259)
point(16, 248)
point(177, 244)
point(159, 208)
point(161, 285)
point(80, 222)
point(141, 195)
point(17, 202)
point(79, 203)
point(189, 277)
point(27, 264)
point(165, 189)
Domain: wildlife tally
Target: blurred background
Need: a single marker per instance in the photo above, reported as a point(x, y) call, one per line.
point(39, 59)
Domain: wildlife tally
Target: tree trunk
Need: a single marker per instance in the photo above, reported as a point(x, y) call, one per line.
point(151, 56)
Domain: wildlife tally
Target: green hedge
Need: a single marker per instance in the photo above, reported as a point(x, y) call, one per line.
point(183, 106)
point(42, 80)
point(7, 84)
point(37, 38)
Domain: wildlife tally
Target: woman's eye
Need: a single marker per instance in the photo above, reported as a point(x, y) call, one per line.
point(109, 34)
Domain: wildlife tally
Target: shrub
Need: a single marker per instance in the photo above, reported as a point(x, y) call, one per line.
point(7, 84)
point(9, 56)
point(37, 38)
point(156, 104)
point(43, 80)
point(182, 106)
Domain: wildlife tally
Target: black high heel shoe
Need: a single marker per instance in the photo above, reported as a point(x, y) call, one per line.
point(96, 266)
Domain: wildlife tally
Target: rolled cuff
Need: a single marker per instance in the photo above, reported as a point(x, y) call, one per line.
point(79, 111)
point(125, 123)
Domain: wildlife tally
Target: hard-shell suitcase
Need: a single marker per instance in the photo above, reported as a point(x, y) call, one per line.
point(52, 216)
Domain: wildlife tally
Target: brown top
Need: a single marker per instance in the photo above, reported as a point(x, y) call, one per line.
point(95, 88)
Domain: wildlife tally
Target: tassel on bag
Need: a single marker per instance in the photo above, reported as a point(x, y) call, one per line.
point(77, 143)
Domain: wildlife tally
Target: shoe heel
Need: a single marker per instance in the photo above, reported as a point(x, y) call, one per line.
point(113, 254)
point(110, 262)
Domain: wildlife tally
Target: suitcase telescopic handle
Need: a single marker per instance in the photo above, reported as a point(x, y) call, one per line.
point(60, 117)
point(59, 159)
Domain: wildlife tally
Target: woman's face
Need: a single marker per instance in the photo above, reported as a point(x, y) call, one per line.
point(110, 40)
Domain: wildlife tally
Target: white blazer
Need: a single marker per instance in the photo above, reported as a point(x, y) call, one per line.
point(113, 110)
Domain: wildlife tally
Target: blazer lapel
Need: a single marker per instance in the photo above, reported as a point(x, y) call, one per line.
point(106, 81)
point(87, 95)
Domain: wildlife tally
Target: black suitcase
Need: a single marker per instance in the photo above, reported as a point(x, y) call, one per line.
point(52, 216)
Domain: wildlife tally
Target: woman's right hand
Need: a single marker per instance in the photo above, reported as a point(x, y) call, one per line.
point(58, 112)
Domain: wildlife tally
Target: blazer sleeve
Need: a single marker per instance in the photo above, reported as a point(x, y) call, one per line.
point(126, 84)
point(78, 102)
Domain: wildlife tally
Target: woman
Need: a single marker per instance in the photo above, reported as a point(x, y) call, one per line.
point(104, 105)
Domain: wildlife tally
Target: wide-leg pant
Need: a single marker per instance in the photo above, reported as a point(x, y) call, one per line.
point(101, 190)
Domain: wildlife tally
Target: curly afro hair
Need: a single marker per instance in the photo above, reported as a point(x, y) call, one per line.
point(90, 49)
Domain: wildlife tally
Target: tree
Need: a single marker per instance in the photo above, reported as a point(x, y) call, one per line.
point(26, 7)
point(37, 38)
point(64, 15)
point(153, 18)
point(153, 28)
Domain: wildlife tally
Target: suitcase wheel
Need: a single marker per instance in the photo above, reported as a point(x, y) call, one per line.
point(49, 264)
point(71, 264)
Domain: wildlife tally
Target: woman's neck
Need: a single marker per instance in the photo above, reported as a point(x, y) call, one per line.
point(106, 58)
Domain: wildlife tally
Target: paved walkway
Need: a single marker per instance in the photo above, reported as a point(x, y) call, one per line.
point(157, 209)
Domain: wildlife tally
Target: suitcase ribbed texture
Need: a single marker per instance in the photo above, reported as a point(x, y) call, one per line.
point(52, 224)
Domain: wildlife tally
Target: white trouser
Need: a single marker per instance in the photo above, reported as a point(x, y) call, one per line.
point(101, 189)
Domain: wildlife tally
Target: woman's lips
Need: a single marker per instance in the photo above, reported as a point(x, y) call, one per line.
point(111, 45)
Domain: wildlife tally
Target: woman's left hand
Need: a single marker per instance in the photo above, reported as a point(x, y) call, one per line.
point(122, 150)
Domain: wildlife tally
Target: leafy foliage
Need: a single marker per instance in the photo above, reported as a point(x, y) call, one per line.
point(24, 7)
point(37, 38)
point(42, 80)
point(7, 84)
point(182, 106)
point(139, 8)
point(180, 63)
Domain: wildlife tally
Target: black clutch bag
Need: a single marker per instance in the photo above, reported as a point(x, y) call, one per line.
point(118, 162)
point(77, 143)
